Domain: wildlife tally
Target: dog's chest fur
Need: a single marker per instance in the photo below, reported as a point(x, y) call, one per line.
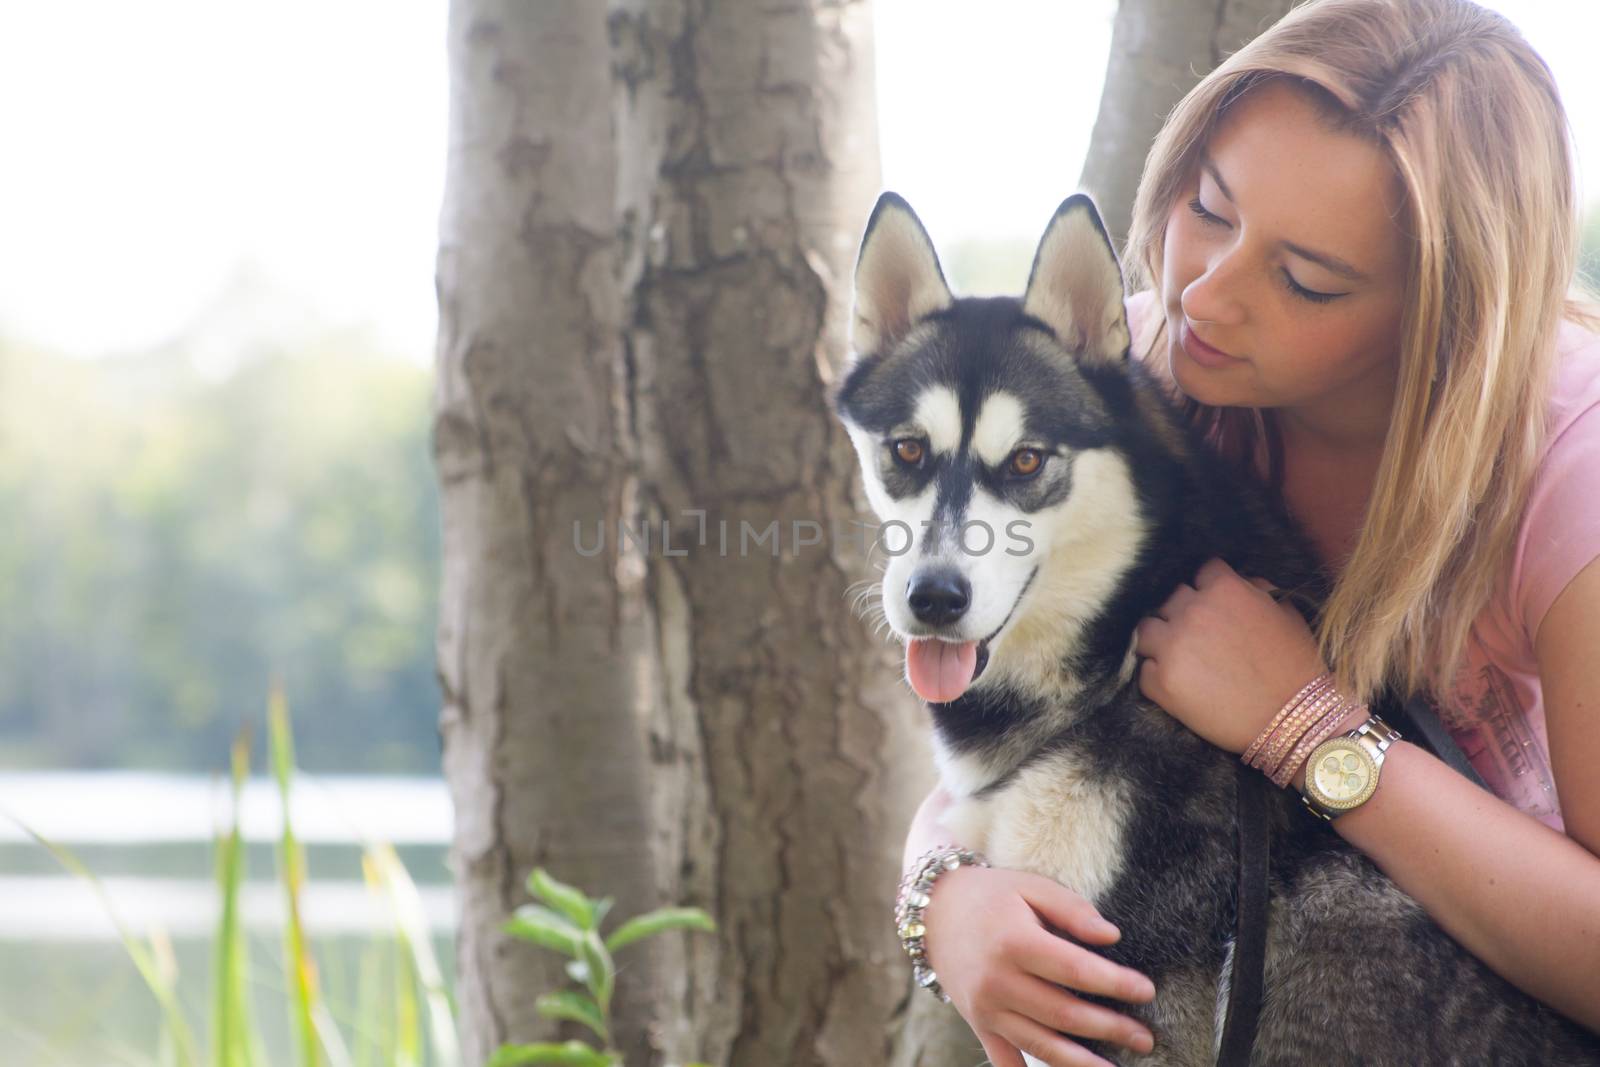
point(1135, 815)
point(1057, 818)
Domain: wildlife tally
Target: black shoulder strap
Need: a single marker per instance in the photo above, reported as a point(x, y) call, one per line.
point(1417, 721)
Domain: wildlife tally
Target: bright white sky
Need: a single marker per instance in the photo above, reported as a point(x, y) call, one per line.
point(154, 151)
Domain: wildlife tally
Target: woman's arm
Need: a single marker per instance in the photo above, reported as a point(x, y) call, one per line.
point(925, 832)
point(1221, 657)
point(1518, 895)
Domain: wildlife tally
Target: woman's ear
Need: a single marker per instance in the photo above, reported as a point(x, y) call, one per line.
point(1075, 287)
point(898, 279)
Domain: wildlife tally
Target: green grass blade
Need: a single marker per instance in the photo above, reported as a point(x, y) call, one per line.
point(417, 941)
point(408, 1027)
point(183, 1051)
point(231, 1032)
point(384, 952)
point(328, 1033)
point(298, 963)
point(368, 1053)
point(654, 922)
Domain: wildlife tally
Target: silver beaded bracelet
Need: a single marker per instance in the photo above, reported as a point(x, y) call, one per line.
point(915, 892)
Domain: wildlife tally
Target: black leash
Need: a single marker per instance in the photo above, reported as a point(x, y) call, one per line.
point(1250, 921)
point(1416, 720)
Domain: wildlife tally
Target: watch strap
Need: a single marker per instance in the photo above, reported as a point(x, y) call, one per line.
point(1379, 733)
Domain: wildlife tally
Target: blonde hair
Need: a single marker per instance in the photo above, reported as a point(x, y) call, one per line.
point(1470, 116)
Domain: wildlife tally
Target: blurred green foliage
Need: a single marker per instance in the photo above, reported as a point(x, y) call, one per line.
point(173, 541)
point(1589, 253)
point(990, 266)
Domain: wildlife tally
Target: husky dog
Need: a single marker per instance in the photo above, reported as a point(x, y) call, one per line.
point(1039, 495)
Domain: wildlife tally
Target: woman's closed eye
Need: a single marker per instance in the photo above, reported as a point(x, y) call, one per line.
point(1205, 216)
point(1314, 296)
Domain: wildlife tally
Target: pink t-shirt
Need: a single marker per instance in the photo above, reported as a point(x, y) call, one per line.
point(1494, 708)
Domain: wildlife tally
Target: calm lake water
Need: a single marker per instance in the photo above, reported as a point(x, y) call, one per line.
point(68, 993)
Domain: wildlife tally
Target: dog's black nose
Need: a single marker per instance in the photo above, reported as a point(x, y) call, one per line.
point(938, 597)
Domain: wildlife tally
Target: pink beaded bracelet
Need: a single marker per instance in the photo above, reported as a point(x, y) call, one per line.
point(1309, 692)
point(1309, 718)
point(1325, 728)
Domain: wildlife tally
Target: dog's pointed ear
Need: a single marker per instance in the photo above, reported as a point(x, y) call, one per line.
point(1075, 286)
point(898, 279)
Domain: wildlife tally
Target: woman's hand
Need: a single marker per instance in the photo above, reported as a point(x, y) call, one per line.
point(1222, 657)
point(997, 962)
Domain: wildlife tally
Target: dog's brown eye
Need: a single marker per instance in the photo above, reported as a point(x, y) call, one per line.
point(908, 450)
point(1026, 461)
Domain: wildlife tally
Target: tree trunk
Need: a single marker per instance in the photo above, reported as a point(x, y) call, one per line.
point(545, 655)
point(650, 219)
point(1160, 49)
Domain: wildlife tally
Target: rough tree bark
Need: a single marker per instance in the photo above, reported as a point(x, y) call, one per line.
point(1159, 50)
point(544, 655)
point(650, 218)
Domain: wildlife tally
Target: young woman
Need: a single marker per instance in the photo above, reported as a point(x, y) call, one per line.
point(1361, 234)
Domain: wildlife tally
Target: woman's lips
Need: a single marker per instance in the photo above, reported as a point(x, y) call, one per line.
point(1202, 353)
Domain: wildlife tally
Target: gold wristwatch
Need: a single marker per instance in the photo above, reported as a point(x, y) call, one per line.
point(1342, 772)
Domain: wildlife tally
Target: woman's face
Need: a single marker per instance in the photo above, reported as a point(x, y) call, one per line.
point(1284, 269)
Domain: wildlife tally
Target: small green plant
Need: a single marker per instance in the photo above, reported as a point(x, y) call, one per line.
point(568, 922)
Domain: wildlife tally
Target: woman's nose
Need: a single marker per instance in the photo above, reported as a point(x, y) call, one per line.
point(1216, 295)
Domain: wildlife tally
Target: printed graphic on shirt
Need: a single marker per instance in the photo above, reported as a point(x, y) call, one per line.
point(1492, 728)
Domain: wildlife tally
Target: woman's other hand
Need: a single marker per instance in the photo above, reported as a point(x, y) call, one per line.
point(1003, 969)
point(1221, 657)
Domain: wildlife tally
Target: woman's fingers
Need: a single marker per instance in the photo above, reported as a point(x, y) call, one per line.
point(1212, 570)
point(1001, 1052)
point(1065, 1013)
point(1011, 966)
point(1047, 1045)
point(1064, 963)
point(1151, 636)
point(1058, 960)
point(1069, 912)
point(1176, 601)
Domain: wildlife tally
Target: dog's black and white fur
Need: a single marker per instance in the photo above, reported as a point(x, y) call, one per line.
point(1057, 763)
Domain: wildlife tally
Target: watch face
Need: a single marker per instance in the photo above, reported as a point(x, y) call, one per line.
point(1341, 775)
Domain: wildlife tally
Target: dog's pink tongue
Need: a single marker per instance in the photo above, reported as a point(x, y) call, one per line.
point(938, 670)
